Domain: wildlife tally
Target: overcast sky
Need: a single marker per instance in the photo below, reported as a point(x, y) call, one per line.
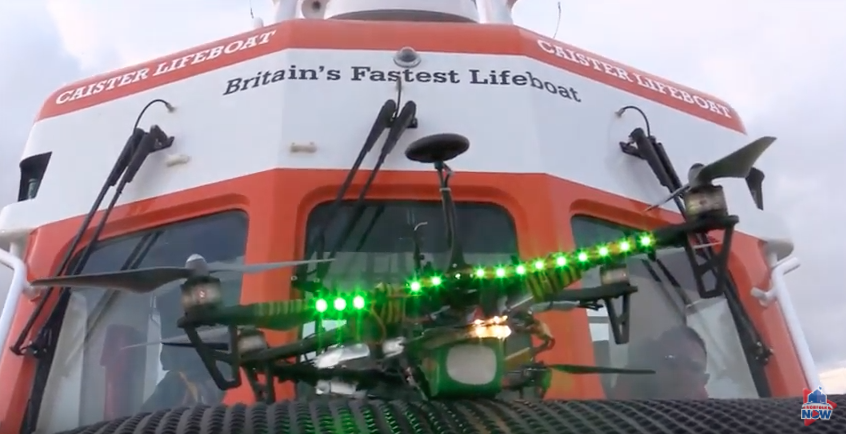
point(774, 60)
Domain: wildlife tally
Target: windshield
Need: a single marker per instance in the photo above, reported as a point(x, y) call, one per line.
point(380, 245)
point(104, 366)
point(691, 342)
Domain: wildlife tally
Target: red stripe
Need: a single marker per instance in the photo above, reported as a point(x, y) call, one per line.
point(354, 35)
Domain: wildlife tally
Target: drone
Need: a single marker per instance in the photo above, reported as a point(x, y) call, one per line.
point(441, 334)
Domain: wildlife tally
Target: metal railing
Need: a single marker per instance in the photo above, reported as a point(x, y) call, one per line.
point(778, 292)
point(18, 286)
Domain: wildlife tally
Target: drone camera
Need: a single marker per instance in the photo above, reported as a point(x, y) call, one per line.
point(706, 201)
point(201, 292)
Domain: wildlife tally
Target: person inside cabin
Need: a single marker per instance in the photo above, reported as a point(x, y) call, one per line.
point(679, 358)
point(186, 381)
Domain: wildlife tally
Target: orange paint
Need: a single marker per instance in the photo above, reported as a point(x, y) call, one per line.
point(540, 205)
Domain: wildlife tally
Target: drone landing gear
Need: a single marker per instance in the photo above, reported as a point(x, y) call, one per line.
point(717, 262)
point(437, 149)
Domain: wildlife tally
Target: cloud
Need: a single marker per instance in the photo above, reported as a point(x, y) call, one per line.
point(774, 60)
point(33, 65)
point(108, 33)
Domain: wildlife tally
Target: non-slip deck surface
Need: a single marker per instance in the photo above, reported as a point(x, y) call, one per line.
point(337, 416)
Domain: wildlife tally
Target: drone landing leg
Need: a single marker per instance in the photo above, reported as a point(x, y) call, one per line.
point(210, 357)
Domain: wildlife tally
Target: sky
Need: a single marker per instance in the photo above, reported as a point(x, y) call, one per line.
point(773, 60)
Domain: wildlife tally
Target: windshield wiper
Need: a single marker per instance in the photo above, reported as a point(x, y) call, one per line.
point(672, 281)
point(136, 150)
point(649, 149)
point(318, 241)
point(384, 119)
point(403, 121)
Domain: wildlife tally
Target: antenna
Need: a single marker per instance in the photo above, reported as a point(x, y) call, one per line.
point(437, 149)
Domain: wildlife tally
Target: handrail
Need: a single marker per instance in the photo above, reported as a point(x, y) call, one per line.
point(778, 292)
point(18, 286)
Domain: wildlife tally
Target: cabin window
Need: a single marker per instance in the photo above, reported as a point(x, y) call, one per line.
point(109, 358)
point(380, 245)
point(666, 303)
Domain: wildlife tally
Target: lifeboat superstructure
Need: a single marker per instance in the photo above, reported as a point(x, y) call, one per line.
point(265, 126)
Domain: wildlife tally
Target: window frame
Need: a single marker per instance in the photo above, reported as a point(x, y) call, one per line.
point(300, 391)
point(46, 366)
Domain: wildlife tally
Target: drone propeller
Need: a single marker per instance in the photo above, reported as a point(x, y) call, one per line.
point(145, 280)
point(580, 369)
point(734, 165)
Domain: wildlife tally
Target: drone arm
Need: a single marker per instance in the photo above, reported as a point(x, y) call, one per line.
point(273, 315)
point(546, 285)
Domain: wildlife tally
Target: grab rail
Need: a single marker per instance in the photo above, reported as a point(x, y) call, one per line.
point(778, 292)
point(18, 286)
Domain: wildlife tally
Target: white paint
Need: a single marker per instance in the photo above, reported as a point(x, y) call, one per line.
point(513, 130)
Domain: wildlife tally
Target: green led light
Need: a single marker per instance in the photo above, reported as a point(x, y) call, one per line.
point(321, 305)
point(358, 302)
point(586, 257)
point(340, 304)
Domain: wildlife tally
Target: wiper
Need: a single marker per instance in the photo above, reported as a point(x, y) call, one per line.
point(382, 121)
point(678, 289)
point(403, 121)
point(96, 313)
point(136, 150)
point(140, 145)
point(653, 152)
point(377, 215)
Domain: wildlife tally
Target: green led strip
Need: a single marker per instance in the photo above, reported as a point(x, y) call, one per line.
point(583, 259)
